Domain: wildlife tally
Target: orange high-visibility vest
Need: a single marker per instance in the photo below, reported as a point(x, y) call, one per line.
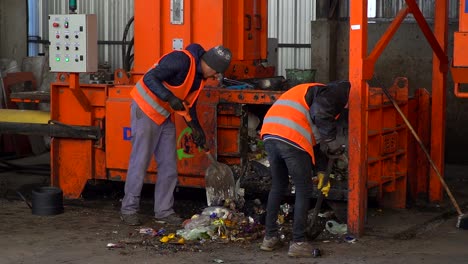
point(289, 118)
point(159, 110)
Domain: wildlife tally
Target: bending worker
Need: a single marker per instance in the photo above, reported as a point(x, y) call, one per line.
point(302, 116)
point(173, 82)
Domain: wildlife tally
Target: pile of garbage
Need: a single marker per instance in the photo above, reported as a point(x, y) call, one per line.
point(213, 224)
point(220, 223)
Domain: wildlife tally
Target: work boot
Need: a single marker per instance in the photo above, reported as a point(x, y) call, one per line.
point(171, 219)
point(300, 249)
point(130, 219)
point(270, 243)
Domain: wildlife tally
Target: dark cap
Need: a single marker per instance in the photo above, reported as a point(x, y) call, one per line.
point(218, 58)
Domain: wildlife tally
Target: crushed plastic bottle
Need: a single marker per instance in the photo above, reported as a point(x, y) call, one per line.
point(286, 209)
point(350, 239)
point(197, 221)
point(147, 231)
point(161, 232)
point(196, 233)
point(336, 228)
point(221, 212)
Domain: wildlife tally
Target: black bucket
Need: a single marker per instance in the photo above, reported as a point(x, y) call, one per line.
point(47, 201)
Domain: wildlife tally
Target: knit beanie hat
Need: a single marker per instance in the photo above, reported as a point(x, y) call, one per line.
point(218, 58)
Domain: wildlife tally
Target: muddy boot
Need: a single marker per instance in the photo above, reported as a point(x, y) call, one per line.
point(130, 219)
point(300, 249)
point(171, 219)
point(270, 243)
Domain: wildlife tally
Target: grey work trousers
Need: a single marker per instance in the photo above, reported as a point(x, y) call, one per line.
point(150, 139)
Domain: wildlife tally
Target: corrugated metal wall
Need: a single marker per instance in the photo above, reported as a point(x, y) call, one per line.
point(289, 22)
point(112, 16)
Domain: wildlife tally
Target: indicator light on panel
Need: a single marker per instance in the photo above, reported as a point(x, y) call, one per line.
point(67, 59)
point(55, 24)
point(57, 58)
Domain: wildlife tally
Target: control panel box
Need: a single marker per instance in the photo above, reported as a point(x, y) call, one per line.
point(73, 43)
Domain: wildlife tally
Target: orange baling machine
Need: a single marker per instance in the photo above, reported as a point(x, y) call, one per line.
point(160, 27)
point(459, 68)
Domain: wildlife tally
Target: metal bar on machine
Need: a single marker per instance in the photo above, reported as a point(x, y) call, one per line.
point(51, 130)
point(382, 43)
point(441, 54)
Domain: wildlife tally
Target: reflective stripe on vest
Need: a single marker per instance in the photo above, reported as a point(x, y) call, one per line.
point(306, 133)
point(289, 117)
point(159, 110)
point(148, 97)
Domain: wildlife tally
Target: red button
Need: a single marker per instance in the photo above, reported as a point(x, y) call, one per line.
point(55, 24)
point(57, 36)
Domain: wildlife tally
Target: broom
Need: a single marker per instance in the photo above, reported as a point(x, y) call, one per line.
point(462, 221)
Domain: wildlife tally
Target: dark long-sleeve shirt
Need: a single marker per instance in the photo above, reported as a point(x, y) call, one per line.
point(326, 103)
point(173, 69)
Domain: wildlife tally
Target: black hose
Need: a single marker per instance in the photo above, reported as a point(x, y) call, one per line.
point(124, 44)
point(128, 55)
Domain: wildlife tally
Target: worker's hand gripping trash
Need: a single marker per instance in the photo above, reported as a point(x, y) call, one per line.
point(198, 134)
point(176, 103)
point(323, 187)
point(334, 151)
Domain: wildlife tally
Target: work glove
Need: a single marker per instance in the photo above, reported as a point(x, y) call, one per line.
point(197, 134)
point(175, 103)
point(320, 186)
point(335, 149)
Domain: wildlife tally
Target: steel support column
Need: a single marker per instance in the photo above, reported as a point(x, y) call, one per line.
point(439, 95)
point(357, 197)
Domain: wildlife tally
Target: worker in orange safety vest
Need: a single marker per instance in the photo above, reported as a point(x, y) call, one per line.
point(172, 84)
point(292, 129)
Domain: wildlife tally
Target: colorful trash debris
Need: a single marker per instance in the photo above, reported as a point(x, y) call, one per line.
point(336, 228)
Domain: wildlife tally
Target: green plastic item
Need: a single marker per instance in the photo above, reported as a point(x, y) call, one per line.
point(298, 76)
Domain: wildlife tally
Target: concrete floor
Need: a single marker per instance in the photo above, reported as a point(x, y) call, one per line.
point(421, 234)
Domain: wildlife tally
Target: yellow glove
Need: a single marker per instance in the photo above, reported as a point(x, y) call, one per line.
point(324, 189)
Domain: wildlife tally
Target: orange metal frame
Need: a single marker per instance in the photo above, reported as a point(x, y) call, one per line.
point(361, 69)
point(459, 68)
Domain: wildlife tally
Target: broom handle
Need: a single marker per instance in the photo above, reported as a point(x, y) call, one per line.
point(455, 204)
